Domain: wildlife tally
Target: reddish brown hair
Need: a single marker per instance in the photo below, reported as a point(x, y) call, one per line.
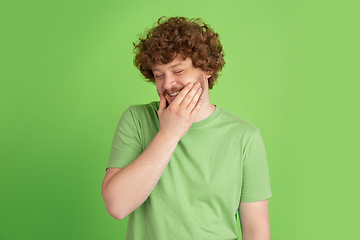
point(179, 35)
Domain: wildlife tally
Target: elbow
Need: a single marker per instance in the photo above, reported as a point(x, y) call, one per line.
point(116, 212)
point(114, 208)
point(118, 216)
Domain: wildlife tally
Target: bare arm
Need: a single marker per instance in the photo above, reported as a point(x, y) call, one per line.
point(126, 189)
point(254, 220)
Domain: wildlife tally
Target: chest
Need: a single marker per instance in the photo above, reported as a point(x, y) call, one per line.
point(209, 170)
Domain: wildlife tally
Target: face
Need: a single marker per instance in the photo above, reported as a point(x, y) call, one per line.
point(171, 78)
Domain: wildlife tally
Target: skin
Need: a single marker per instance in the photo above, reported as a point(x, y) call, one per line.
point(174, 76)
point(126, 189)
point(254, 220)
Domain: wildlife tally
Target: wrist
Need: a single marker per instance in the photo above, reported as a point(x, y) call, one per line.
point(168, 137)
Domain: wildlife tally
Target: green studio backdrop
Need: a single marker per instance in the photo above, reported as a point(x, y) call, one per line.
point(67, 75)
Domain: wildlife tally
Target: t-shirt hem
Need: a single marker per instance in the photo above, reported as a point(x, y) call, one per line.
point(112, 166)
point(256, 198)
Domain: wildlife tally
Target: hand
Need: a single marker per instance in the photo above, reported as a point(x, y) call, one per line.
point(177, 118)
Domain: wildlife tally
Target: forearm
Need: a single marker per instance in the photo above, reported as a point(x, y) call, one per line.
point(128, 188)
point(131, 186)
point(258, 229)
point(256, 236)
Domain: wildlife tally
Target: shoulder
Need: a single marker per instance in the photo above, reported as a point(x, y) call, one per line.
point(149, 106)
point(141, 111)
point(142, 117)
point(236, 122)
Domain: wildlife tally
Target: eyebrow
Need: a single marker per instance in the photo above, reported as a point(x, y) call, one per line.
point(175, 65)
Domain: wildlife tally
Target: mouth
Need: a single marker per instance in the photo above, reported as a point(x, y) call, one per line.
point(174, 94)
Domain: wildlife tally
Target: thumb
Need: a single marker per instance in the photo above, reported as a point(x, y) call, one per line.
point(162, 105)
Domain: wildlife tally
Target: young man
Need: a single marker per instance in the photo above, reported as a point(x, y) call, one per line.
point(182, 168)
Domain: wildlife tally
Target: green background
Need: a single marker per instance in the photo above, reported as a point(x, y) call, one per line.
point(67, 76)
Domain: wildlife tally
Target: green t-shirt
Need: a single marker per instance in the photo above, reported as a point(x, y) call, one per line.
point(219, 162)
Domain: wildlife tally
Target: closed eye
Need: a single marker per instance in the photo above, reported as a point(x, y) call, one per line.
point(159, 76)
point(178, 71)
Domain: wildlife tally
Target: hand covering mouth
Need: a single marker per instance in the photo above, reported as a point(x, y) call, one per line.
point(172, 92)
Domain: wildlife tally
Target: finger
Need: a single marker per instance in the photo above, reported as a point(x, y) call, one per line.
point(162, 105)
point(196, 109)
point(193, 92)
point(194, 100)
point(182, 94)
point(190, 95)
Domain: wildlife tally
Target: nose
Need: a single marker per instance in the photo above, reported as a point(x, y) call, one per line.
point(169, 81)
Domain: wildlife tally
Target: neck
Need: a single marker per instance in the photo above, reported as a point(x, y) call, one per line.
point(205, 111)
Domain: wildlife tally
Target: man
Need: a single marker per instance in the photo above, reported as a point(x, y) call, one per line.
point(182, 168)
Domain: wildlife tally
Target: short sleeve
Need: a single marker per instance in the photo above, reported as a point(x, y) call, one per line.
point(126, 145)
point(256, 182)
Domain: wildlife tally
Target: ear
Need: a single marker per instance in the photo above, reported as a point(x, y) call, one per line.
point(208, 74)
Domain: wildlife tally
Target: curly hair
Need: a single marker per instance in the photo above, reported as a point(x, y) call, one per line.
point(179, 35)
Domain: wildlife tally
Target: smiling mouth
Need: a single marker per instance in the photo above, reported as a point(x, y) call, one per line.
point(174, 94)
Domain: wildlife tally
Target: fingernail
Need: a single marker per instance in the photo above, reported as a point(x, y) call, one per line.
point(191, 84)
point(198, 84)
point(200, 89)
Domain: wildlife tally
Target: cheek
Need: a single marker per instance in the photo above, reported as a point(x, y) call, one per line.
point(158, 89)
point(202, 80)
point(189, 77)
